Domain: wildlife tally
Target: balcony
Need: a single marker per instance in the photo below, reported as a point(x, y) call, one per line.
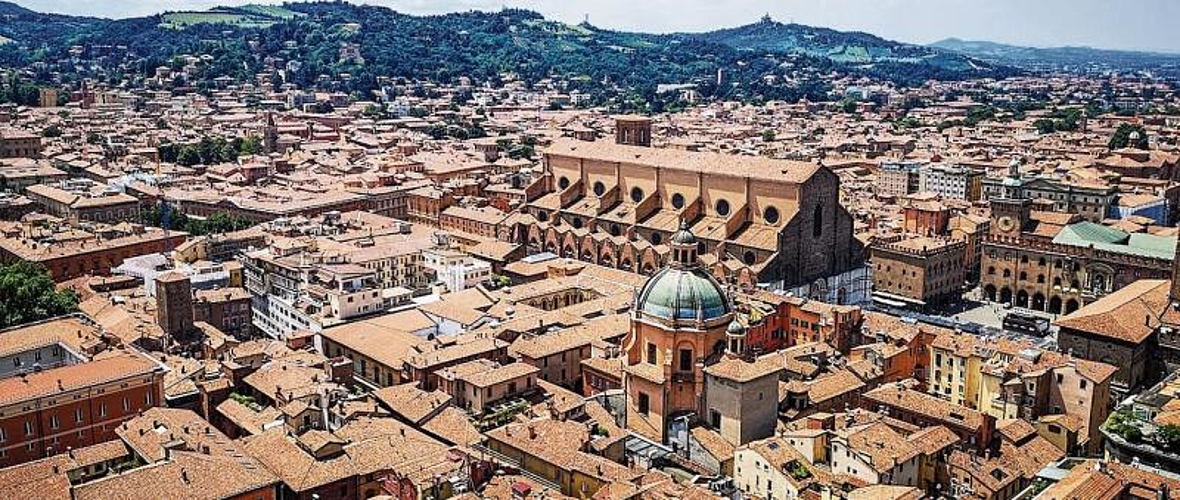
point(684, 377)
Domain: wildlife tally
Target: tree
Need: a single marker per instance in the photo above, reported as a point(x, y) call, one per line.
point(51, 131)
point(848, 106)
point(1122, 137)
point(1167, 437)
point(1044, 126)
point(188, 156)
point(768, 135)
point(27, 293)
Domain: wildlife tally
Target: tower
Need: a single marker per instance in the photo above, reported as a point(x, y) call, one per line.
point(1010, 212)
point(633, 130)
point(174, 303)
point(270, 134)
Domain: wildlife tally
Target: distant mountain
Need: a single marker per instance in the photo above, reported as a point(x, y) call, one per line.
point(1058, 57)
point(11, 9)
point(852, 48)
point(21, 25)
point(325, 38)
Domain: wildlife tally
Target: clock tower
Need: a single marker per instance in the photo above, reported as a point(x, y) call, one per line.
point(1010, 213)
point(1009, 217)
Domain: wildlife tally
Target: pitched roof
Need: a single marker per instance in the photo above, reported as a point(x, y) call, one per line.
point(108, 368)
point(756, 167)
point(1130, 314)
point(925, 404)
point(741, 370)
point(884, 447)
point(187, 475)
point(412, 403)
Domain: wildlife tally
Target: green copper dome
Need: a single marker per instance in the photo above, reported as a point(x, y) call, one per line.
point(683, 296)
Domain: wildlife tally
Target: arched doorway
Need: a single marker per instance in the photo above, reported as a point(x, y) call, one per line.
point(1038, 302)
point(989, 293)
point(1071, 306)
point(1022, 299)
point(1054, 305)
point(1006, 295)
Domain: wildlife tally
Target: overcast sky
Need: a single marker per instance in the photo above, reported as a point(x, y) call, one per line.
point(1119, 24)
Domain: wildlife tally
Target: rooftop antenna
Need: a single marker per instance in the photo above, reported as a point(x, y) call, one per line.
point(586, 18)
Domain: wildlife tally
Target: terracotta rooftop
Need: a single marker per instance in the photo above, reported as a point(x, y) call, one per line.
point(108, 368)
point(1130, 314)
point(930, 406)
point(760, 168)
point(412, 403)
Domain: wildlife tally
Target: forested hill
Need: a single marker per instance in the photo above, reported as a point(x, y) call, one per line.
point(856, 49)
point(1059, 57)
point(245, 40)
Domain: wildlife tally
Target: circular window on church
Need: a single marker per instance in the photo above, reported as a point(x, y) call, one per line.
point(771, 215)
point(636, 195)
point(748, 258)
point(563, 182)
point(678, 201)
point(543, 216)
point(577, 222)
point(722, 208)
point(656, 238)
point(599, 188)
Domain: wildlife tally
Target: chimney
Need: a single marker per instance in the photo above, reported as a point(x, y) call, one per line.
point(532, 432)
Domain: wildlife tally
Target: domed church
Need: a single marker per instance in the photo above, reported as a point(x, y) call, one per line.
point(681, 323)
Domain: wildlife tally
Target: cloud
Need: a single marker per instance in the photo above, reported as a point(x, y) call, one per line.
point(1129, 24)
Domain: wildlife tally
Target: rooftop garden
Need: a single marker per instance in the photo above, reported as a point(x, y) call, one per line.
point(1134, 429)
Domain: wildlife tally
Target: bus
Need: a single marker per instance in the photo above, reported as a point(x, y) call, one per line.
point(1026, 323)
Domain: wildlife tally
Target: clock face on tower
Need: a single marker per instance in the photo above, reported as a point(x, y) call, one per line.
point(1006, 224)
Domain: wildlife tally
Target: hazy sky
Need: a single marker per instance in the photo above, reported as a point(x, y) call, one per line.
point(1120, 24)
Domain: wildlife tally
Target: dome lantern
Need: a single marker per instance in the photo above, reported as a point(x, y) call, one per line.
point(684, 246)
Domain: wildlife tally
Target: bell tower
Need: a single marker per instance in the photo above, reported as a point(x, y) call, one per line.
point(270, 134)
point(633, 130)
